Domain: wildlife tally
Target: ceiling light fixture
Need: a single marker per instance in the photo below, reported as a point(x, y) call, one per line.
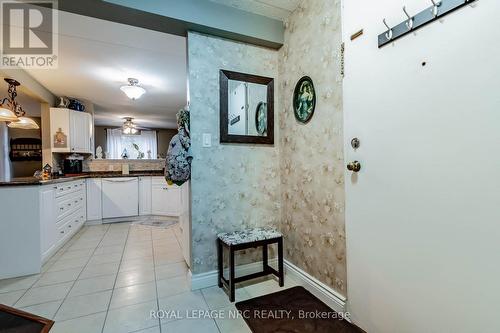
point(11, 111)
point(133, 90)
point(24, 123)
point(129, 127)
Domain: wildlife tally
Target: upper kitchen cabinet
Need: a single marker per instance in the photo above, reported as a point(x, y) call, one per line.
point(71, 131)
point(80, 131)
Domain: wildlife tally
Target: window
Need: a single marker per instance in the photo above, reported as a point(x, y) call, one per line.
point(144, 145)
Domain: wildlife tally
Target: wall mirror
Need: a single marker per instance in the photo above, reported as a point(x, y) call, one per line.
point(246, 108)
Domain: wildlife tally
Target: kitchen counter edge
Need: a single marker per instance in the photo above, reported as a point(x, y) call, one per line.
point(31, 181)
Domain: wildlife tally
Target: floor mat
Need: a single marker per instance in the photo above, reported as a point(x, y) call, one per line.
point(157, 221)
point(17, 321)
point(293, 310)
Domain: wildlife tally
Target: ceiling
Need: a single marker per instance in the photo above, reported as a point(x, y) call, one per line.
point(277, 9)
point(96, 57)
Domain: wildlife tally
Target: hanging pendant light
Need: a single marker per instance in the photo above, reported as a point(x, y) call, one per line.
point(133, 90)
point(7, 115)
point(12, 112)
point(24, 123)
point(8, 107)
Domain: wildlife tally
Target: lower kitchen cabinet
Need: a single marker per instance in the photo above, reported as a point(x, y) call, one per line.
point(62, 214)
point(166, 199)
point(145, 194)
point(94, 199)
point(119, 197)
point(48, 230)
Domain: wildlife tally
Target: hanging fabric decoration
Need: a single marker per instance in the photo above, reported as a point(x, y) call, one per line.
point(178, 162)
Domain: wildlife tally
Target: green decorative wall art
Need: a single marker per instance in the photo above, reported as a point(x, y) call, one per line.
point(304, 100)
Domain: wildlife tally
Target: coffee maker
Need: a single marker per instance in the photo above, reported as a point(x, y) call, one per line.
point(73, 165)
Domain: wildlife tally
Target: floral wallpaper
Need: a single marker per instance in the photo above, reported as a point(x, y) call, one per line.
point(297, 185)
point(234, 186)
point(311, 155)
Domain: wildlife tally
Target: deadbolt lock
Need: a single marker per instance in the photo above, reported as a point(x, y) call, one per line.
point(354, 166)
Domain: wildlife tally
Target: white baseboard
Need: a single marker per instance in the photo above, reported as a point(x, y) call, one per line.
point(209, 279)
point(124, 219)
point(326, 294)
point(93, 222)
point(203, 280)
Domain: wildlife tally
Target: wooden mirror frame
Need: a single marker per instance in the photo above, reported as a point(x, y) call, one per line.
point(225, 137)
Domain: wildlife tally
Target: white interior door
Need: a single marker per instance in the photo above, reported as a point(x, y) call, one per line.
point(422, 217)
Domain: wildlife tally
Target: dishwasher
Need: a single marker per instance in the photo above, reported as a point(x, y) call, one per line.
point(120, 197)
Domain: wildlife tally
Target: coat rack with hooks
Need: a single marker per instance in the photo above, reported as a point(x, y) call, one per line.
point(412, 23)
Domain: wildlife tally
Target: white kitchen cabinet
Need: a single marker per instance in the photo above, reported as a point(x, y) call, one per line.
point(120, 197)
point(94, 199)
point(60, 128)
point(80, 131)
point(166, 199)
point(48, 232)
point(75, 126)
point(62, 214)
point(145, 194)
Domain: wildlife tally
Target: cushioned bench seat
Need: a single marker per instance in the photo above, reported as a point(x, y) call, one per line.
point(245, 239)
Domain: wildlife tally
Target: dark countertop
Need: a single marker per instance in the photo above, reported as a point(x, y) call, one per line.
point(27, 181)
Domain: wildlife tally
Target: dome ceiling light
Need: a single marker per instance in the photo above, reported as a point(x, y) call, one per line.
point(12, 112)
point(133, 90)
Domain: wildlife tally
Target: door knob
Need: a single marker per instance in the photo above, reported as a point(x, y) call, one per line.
point(354, 166)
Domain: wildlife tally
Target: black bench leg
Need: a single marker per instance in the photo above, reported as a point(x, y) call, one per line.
point(280, 263)
point(231, 274)
point(264, 258)
point(220, 262)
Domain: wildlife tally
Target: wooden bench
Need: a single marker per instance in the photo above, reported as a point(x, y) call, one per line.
point(246, 239)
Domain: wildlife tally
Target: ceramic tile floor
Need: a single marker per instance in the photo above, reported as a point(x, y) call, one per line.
point(108, 279)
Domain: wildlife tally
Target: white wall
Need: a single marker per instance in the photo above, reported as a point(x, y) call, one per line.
point(423, 217)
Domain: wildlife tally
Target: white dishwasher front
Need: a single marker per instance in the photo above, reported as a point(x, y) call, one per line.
point(120, 197)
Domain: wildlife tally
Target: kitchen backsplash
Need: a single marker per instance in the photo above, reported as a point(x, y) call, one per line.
point(116, 165)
